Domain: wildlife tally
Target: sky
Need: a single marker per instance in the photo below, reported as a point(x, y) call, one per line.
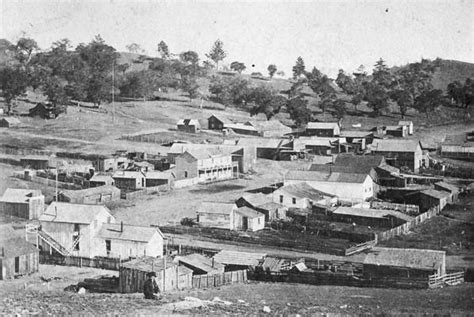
point(329, 35)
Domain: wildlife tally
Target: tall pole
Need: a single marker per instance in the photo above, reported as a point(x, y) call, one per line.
point(113, 92)
point(57, 173)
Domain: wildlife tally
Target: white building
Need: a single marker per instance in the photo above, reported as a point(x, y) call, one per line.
point(301, 195)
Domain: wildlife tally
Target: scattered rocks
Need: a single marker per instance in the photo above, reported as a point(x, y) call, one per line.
point(81, 291)
point(266, 309)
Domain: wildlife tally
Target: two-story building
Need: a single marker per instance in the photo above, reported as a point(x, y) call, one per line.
point(401, 153)
point(205, 165)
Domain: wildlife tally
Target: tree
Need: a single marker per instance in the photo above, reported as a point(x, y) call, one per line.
point(319, 83)
point(381, 74)
point(123, 68)
point(299, 68)
point(217, 53)
point(135, 48)
point(189, 57)
point(340, 110)
point(24, 49)
point(462, 95)
point(237, 66)
point(163, 50)
point(377, 97)
point(190, 85)
point(298, 110)
point(281, 73)
point(54, 89)
point(428, 100)
point(271, 70)
point(13, 83)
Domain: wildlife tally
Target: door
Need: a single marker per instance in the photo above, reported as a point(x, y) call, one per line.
point(245, 223)
point(17, 264)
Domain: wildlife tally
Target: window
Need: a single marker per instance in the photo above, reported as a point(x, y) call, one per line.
point(108, 246)
point(75, 242)
point(293, 200)
point(258, 219)
point(76, 227)
point(281, 199)
point(185, 174)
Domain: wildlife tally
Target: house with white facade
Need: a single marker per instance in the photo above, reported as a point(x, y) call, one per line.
point(301, 195)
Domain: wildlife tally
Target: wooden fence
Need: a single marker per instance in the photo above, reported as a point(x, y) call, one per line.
point(217, 280)
point(405, 228)
point(361, 247)
point(436, 280)
point(97, 262)
point(46, 181)
point(146, 191)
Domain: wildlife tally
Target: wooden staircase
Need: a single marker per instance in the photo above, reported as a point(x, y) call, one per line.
point(43, 235)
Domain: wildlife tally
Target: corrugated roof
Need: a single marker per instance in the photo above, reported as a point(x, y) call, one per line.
point(303, 190)
point(370, 213)
point(322, 125)
point(17, 195)
point(129, 233)
point(200, 261)
point(450, 187)
point(412, 258)
point(216, 207)
point(73, 213)
point(228, 257)
point(391, 145)
point(105, 189)
point(435, 193)
point(249, 213)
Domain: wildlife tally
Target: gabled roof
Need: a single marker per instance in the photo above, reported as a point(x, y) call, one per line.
point(16, 246)
point(323, 125)
point(128, 174)
point(257, 199)
point(303, 190)
point(435, 193)
point(371, 213)
point(412, 258)
point(228, 257)
point(188, 122)
point(216, 207)
point(347, 177)
point(101, 178)
point(180, 148)
point(73, 213)
point(240, 126)
point(151, 264)
point(11, 120)
point(450, 187)
point(221, 118)
point(361, 164)
point(390, 145)
point(272, 264)
point(270, 125)
point(17, 195)
point(143, 234)
point(249, 213)
point(106, 189)
point(202, 154)
point(326, 176)
point(200, 262)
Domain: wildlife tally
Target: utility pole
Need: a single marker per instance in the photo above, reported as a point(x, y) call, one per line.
point(113, 92)
point(57, 173)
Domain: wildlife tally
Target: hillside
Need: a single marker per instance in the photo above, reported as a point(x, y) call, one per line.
point(450, 71)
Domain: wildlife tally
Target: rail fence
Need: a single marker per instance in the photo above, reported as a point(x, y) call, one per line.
point(436, 280)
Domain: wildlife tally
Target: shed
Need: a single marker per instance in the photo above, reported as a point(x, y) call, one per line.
point(157, 178)
point(37, 162)
point(400, 131)
point(22, 203)
point(432, 197)
point(216, 215)
point(169, 275)
point(93, 195)
point(236, 260)
point(248, 219)
point(328, 129)
point(372, 217)
point(263, 204)
point(382, 262)
point(17, 257)
point(200, 264)
point(400, 153)
point(188, 125)
point(270, 128)
point(129, 180)
point(9, 122)
point(450, 188)
point(101, 180)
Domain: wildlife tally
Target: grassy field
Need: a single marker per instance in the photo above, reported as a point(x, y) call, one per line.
point(30, 296)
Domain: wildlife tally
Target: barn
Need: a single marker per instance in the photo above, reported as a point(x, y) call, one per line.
point(217, 122)
point(17, 257)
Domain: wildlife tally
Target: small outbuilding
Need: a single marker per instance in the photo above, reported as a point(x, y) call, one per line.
point(188, 125)
point(236, 260)
point(216, 215)
point(432, 197)
point(22, 203)
point(450, 188)
point(200, 264)
point(248, 219)
point(327, 129)
point(9, 122)
point(408, 124)
point(101, 180)
point(129, 180)
point(93, 195)
point(37, 162)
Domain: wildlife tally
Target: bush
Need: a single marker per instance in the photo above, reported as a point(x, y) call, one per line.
point(189, 222)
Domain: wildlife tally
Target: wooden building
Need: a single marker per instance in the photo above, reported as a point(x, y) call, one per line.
point(17, 256)
point(460, 146)
point(302, 196)
point(401, 153)
point(22, 203)
point(408, 124)
point(217, 122)
point(37, 162)
point(216, 215)
point(326, 129)
point(268, 148)
point(270, 128)
point(400, 131)
point(101, 180)
point(263, 204)
point(205, 165)
point(117, 240)
point(169, 275)
point(247, 219)
point(236, 260)
point(44, 111)
point(370, 217)
point(129, 180)
point(450, 188)
point(93, 195)
point(157, 178)
point(111, 163)
point(200, 264)
point(432, 197)
point(9, 122)
point(324, 146)
point(71, 229)
point(188, 125)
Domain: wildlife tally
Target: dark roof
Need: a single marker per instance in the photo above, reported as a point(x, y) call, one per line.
point(450, 187)
point(130, 233)
point(361, 164)
point(435, 193)
point(257, 199)
point(273, 264)
point(303, 190)
point(201, 262)
point(221, 118)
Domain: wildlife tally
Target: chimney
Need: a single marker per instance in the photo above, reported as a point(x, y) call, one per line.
point(121, 226)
